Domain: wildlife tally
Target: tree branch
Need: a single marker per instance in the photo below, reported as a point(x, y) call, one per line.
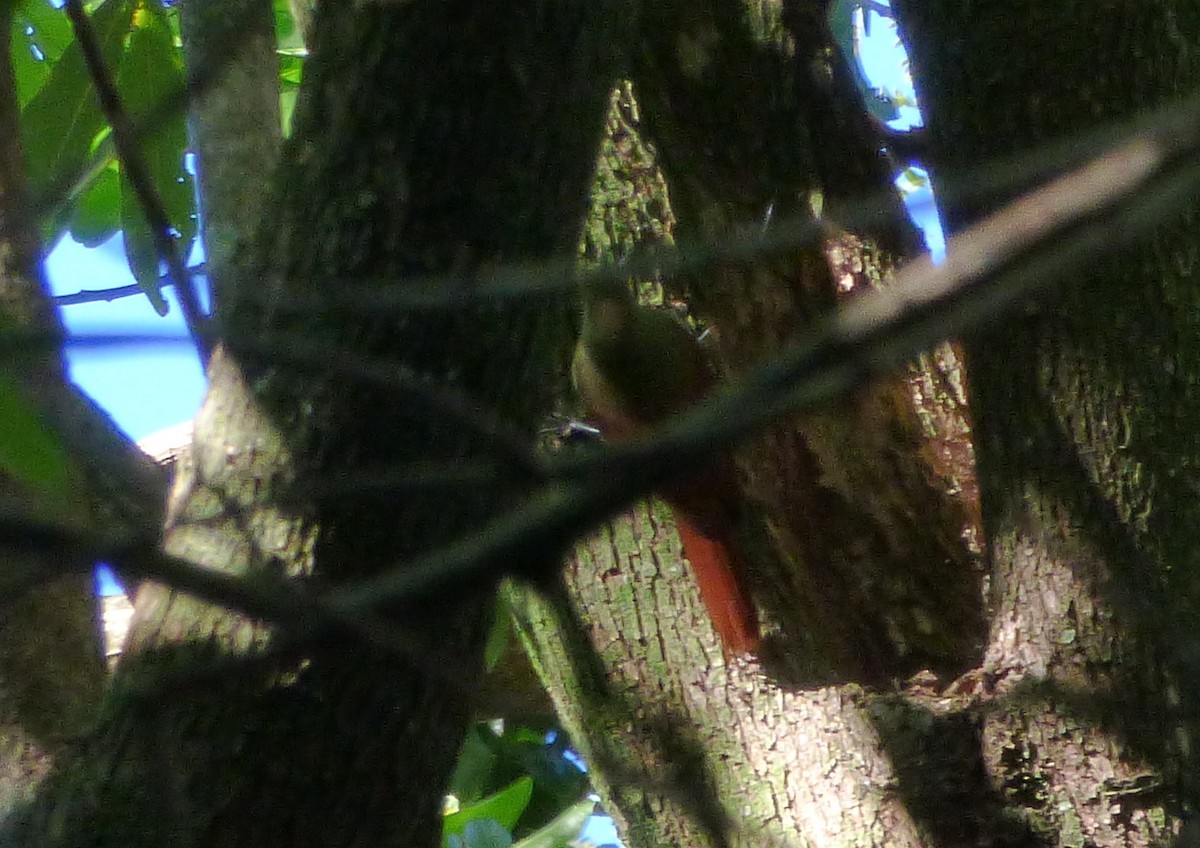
point(118, 292)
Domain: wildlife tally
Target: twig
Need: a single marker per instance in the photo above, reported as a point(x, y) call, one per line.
point(514, 445)
point(18, 342)
point(990, 267)
point(303, 616)
point(743, 245)
point(134, 165)
point(118, 292)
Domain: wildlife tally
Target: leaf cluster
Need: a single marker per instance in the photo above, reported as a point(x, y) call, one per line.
point(521, 783)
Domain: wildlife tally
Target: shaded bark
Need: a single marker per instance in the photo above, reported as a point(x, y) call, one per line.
point(234, 126)
point(1086, 405)
point(890, 593)
point(428, 140)
point(452, 138)
point(860, 515)
point(691, 749)
point(51, 678)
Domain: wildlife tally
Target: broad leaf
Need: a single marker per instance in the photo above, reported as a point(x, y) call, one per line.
point(491, 760)
point(292, 53)
point(40, 36)
point(473, 774)
point(60, 122)
point(96, 216)
point(288, 35)
point(150, 69)
point(504, 807)
point(563, 829)
point(290, 71)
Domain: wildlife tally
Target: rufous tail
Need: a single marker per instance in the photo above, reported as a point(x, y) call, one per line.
point(718, 576)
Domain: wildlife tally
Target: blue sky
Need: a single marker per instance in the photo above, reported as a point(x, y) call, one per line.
point(144, 388)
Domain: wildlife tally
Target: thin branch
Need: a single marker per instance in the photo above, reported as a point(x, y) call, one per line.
point(512, 445)
point(15, 343)
point(303, 616)
point(105, 295)
point(134, 167)
point(742, 246)
point(992, 266)
point(1018, 230)
point(118, 292)
point(461, 408)
point(745, 245)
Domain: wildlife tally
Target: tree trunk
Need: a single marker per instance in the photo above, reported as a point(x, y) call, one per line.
point(234, 127)
point(1086, 407)
point(437, 140)
point(857, 532)
point(51, 677)
point(430, 140)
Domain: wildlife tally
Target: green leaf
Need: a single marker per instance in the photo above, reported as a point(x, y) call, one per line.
point(40, 36)
point(288, 35)
point(45, 28)
point(60, 122)
point(290, 72)
point(30, 453)
point(504, 807)
point(489, 761)
point(476, 764)
point(96, 216)
point(564, 828)
point(29, 72)
point(150, 69)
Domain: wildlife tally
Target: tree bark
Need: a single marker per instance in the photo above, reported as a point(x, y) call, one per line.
point(234, 126)
point(860, 517)
point(429, 140)
point(1086, 411)
point(440, 139)
point(51, 677)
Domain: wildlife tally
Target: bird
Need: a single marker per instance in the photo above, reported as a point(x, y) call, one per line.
point(635, 366)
